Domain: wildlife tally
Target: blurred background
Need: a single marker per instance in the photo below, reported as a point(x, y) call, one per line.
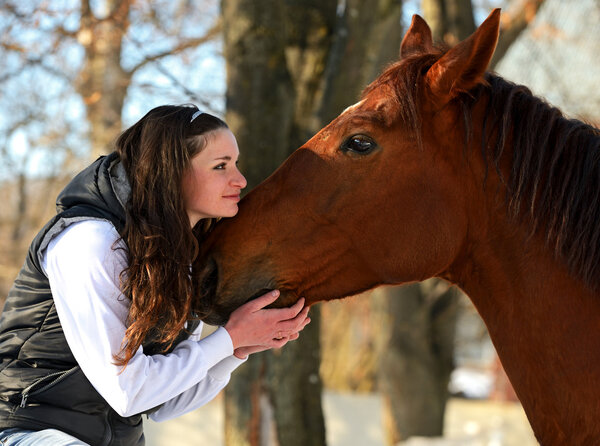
point(400, 365)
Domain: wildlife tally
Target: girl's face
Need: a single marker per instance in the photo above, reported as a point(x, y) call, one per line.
point(212, 183)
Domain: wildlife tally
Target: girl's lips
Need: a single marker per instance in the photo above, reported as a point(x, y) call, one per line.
point(232, 197)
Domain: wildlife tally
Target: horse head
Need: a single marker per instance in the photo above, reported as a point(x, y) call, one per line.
point(378, 196)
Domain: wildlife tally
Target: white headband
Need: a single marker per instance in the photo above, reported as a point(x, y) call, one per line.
point(195, 115)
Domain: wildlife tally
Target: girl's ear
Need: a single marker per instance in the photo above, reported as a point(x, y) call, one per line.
point(463, 66)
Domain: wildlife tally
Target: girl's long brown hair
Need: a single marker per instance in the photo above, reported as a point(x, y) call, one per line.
point(161, 245)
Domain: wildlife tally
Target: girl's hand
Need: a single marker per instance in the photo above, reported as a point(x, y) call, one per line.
point(243, 352)
point(253, 328)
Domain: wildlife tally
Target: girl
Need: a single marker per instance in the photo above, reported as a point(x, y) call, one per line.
point(102, 322)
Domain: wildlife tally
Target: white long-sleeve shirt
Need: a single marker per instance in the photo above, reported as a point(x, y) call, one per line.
point(83, 270)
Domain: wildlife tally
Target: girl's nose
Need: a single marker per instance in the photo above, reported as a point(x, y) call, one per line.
point(239, 180)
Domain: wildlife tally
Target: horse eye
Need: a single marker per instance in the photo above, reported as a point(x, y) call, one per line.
point(359, 144)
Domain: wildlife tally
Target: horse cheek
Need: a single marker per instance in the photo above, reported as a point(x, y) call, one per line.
point(433, 233)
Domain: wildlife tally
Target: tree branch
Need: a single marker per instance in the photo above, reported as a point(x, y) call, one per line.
point(35, 61)
point(12, 9)
point(513, 24)
point(182, 46)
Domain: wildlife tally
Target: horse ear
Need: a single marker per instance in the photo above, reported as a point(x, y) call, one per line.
point(417, 39)
point(463, 66)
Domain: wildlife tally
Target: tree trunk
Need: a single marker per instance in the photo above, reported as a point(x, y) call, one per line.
point(294, 387)
point(461, 22)
point(21, 210)
point(416, 356)
point(367, 37)
point(102, 82)
point(260, 96)
point(275, 53)
point(434, 13)
point(450, 20)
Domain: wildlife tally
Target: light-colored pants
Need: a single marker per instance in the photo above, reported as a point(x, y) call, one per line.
point(20, 437)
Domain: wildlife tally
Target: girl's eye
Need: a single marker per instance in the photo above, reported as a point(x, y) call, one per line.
point(220, 166)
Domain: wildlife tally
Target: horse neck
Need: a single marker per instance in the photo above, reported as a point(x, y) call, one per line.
point(543, 323)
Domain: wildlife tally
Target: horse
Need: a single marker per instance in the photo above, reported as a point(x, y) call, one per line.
point(442, 169)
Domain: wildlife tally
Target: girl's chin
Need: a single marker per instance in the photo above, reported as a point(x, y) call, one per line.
point(230, 213)
point(222, 214)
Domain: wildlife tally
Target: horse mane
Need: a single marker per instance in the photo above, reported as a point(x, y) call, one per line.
point(554, 182)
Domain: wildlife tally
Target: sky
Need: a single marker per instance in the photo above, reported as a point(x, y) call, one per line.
point(35, 95)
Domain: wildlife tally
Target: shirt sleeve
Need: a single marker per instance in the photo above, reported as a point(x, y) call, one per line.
point(203, 392)
point(83, 269)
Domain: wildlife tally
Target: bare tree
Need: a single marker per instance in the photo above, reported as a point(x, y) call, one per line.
point(103, 80)
point(67, 70)
point(416, 349)
point(275, 54)
point(450, 20)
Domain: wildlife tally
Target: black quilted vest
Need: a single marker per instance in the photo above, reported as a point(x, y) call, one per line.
point(41, 384)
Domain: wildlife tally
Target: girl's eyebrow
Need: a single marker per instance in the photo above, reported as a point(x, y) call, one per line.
point(226, 158)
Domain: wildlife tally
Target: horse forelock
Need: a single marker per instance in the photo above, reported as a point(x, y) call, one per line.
point(403, 80)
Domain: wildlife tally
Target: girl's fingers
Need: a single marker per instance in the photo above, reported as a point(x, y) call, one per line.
point(272, 328)
point(260, 302)
point(297, 307)
point(278, 343)
point(288, 330)
point(284, 314)
point(295, 324)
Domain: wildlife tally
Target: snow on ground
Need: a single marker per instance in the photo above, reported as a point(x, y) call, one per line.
point(355, 420)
